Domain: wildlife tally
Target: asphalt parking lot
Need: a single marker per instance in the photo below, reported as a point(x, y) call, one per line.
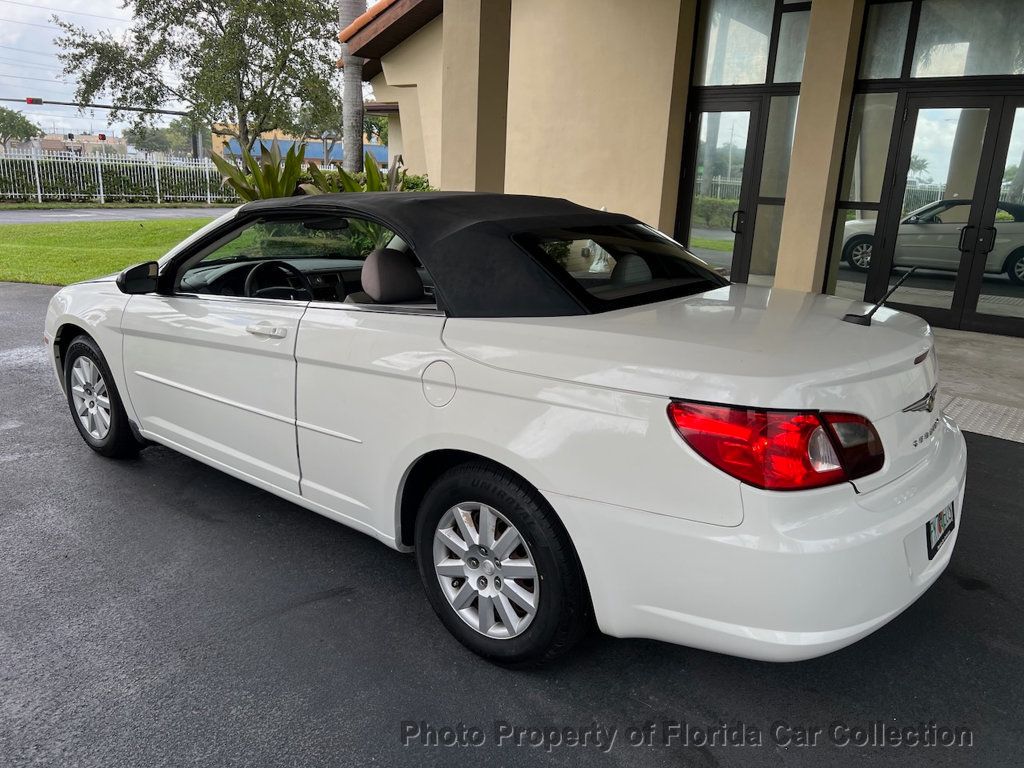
point(158, 613)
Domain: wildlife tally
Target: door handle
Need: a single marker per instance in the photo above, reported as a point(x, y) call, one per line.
point(265, 329)
point(987, 239)
point(962, 245)
point(736, 223)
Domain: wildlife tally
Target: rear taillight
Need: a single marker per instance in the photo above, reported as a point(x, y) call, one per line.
point(780, 450)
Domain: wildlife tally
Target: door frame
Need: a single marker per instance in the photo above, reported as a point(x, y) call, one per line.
point(891, 208)
point(971, 319)
point(757, 106)
point(962, 313)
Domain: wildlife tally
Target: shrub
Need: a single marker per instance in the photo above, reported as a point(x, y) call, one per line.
point(713, 212)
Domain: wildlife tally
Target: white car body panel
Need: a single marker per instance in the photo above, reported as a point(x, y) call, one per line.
point(202, 375)
point(333, 415)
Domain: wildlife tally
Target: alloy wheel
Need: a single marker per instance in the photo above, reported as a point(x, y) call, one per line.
point(90, 397)
point(860, 255)
point(486, 570)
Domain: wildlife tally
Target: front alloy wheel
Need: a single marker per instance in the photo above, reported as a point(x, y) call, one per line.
point(485, 570)
point(858, 254)
point(89, 397)
point(94, 401)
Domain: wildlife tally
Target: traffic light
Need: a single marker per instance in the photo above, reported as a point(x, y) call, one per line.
point(101, 136)
point(71, 137)
point(33, 100)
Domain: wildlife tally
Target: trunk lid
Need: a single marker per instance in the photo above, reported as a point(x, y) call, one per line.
point(737, 345)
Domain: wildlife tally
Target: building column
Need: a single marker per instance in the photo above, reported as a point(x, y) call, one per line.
point(474, 94)
point(825, 94)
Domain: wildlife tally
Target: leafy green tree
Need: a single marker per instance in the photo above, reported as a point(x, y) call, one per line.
point(14, 126)
point(176, 137)
point(376, 126)
point(244, 65)
point(148, 139)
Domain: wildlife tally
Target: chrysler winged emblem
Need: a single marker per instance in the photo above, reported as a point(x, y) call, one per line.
point(926, 403)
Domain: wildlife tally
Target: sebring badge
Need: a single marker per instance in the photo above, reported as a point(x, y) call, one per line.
point(926, 403)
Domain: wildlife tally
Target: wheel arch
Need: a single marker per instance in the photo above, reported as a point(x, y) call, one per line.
point(427, 467)
point(62, 338)
point(1011, 257)
point(860, 237)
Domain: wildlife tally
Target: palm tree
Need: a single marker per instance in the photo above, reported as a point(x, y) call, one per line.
point(352, 91)
point(919, 167)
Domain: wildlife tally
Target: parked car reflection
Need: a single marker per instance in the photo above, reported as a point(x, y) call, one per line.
point(929, 237)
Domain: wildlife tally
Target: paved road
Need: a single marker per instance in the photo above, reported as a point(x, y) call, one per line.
point(41, 216)
point(158, 613)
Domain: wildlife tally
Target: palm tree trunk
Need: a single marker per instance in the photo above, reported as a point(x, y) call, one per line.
point(352, 92)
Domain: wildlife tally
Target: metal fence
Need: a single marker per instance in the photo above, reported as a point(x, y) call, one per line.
point(42, 176)
point(718, 188)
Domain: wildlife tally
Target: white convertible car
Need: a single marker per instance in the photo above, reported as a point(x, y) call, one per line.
point(564, 414)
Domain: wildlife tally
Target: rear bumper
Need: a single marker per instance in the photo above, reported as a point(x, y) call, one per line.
point(804, 574)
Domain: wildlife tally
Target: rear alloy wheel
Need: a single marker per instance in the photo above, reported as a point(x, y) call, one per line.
point(858, 253)
point(485, 570)
point(94, 401)
point(1015, 267)
point(498, 568)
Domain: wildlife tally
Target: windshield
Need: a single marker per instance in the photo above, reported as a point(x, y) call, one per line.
point(615, 266)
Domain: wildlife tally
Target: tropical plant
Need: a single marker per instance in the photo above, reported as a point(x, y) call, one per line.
point(371, 234)
point(270, 176)
point(371, 180)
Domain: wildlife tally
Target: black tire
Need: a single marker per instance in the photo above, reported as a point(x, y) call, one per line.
point(1015, 267)
point(850, 252)
point(118, 442)
point(563, 614)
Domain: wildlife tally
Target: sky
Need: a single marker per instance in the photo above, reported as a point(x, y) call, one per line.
point(29, 66)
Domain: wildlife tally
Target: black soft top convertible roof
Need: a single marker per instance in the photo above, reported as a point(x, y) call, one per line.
point(464, 239)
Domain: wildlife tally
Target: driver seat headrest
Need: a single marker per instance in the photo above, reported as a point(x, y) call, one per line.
point(389, 277)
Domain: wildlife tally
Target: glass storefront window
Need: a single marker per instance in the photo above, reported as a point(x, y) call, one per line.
point(778, 146)
point(982, 37)
point(721, 155)
point(1002, 288)
point(867, 148)
point(853, 244)
point(789, 61)
point(764, 251)
point(733, 48)
point(885, 37)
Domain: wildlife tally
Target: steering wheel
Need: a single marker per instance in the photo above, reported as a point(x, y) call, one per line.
point(250, 289)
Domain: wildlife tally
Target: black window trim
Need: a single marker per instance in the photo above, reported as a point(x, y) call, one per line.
point(169, 278)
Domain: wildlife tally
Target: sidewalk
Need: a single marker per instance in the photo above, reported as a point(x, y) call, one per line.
point(981, 382)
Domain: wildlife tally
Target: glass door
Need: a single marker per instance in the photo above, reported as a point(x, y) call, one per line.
point(935, 216)
point(720, 203)
point(995, 291)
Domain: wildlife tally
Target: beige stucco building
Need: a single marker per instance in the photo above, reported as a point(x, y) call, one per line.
point(787, 143)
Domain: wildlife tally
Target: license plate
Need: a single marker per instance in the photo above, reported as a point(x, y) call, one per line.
point(937, 530)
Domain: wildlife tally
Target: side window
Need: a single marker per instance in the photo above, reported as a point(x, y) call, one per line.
point(315, 257)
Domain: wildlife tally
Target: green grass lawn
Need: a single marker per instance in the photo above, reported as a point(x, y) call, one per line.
point(711, 245)
point(58, 254)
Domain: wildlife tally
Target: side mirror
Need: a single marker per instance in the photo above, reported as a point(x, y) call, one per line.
point(913, 220)
point(142, 278)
